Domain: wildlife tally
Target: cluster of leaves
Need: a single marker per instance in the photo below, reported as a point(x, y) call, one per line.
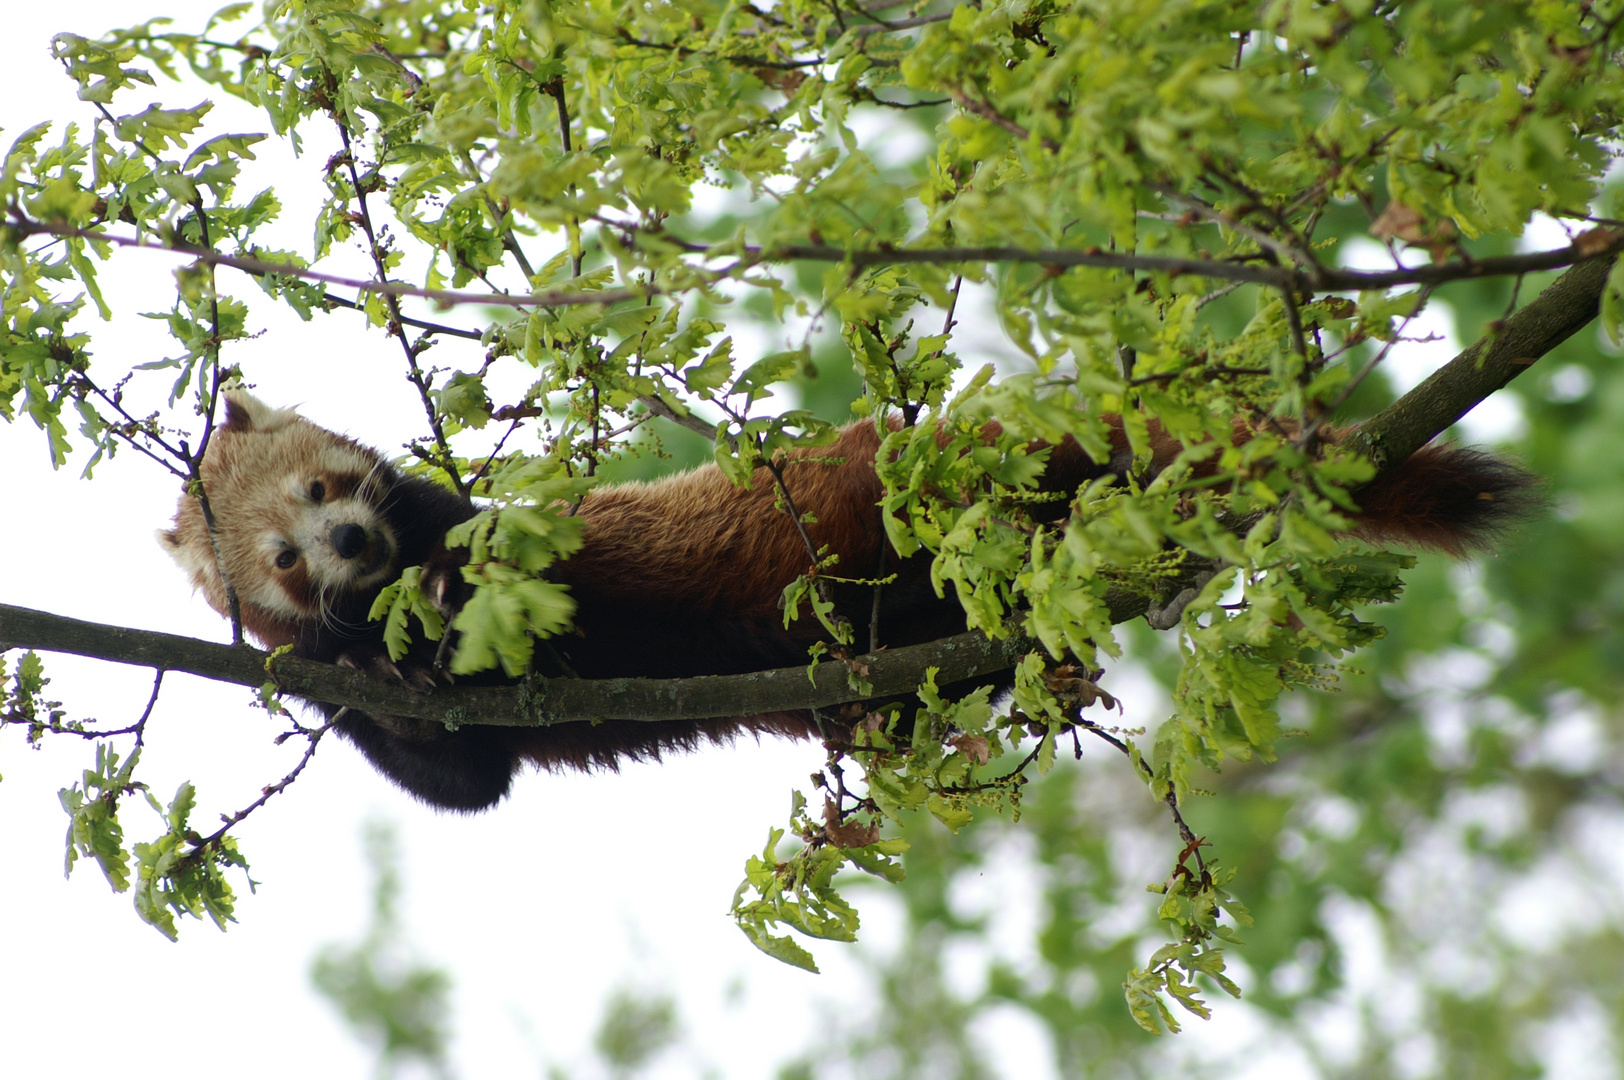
point(23, 701)
point(179, 873)
point(1148, 192)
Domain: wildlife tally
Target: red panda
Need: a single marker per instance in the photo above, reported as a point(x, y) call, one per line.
point(678, 577)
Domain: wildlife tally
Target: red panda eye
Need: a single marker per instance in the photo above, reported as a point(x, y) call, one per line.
point(318, 491)
point(286, 558)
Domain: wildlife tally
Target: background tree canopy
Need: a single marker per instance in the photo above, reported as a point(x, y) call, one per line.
point(597, 239)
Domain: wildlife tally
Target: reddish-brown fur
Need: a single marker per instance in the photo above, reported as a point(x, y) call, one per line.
point(676, 578)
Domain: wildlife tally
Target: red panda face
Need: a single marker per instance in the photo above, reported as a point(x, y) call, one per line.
point(299, 520)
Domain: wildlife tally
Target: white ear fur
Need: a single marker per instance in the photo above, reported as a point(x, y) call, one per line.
point(245, 412)
point(186, 559)
point(197, 569)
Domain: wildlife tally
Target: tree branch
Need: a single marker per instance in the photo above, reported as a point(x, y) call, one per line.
point(19, 229)
point(543, 701)
point(1491, 362)
point(1597, 244)
point(1318, 278)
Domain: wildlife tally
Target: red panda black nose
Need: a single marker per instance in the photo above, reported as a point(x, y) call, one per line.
point(348, 540)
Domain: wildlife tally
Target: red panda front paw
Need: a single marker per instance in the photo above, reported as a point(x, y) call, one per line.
point(373, 659)
point(442, 585)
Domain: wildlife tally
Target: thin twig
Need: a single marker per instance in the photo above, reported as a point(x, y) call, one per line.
point(695, 424)
point(335, 300)
point(448, 297)
point(555, 89)
point(131, 423)
point(194, 461)
point(1171, 798)
point(140, 726)
point(731, 58)
point(415, 374)
point(1309, 431)
point(231, 820)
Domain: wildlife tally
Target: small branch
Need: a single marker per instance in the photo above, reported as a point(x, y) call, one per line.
point(984, 110)
point(884, 26)
point(479, 474)
point(132, 425)
point(1220, 370)
point(434, 328)
point(415, 374)
point(1322, 279)
point(926, 103)
point(58, 727)
point(695, 424)
point(1306, 437)
point(555, 90)
point(140, 726)
point(231, 820)
point(731, 58)
point(1218, 294)
point(777, 471)
point(1192, 842)
point(1290, 251)
point(210, 399)
point(884, 547)
point(260, 267)
point(1294, 321)
point(1166, 616)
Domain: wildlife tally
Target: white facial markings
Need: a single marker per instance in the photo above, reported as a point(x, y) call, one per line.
point(268, 589)
point(312, 533)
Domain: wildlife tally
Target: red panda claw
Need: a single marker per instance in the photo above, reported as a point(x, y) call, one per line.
point(373, 660)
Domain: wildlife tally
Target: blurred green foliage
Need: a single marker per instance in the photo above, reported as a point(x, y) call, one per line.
point(395, 1003)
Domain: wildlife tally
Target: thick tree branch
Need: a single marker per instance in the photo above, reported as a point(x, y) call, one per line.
point(1491, 362)
point(546, 701)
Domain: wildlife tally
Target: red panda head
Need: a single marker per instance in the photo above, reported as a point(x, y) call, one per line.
point(299, 520)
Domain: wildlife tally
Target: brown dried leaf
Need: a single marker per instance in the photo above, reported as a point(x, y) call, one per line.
point(1597, 241)
point(785, 82)
point(847, 834)
point(1398, 221)
point(974, 747)
point(1078, 690)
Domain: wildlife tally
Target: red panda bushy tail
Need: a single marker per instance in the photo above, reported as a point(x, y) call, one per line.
point(1446, 498)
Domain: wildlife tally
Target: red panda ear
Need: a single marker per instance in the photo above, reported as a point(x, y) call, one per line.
point(239, 411)
point(245, 412)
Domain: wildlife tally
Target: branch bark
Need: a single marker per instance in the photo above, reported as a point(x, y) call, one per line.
point(542, 701)
point(1491, 362)
point(1599, 244)
point(1315, 278)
